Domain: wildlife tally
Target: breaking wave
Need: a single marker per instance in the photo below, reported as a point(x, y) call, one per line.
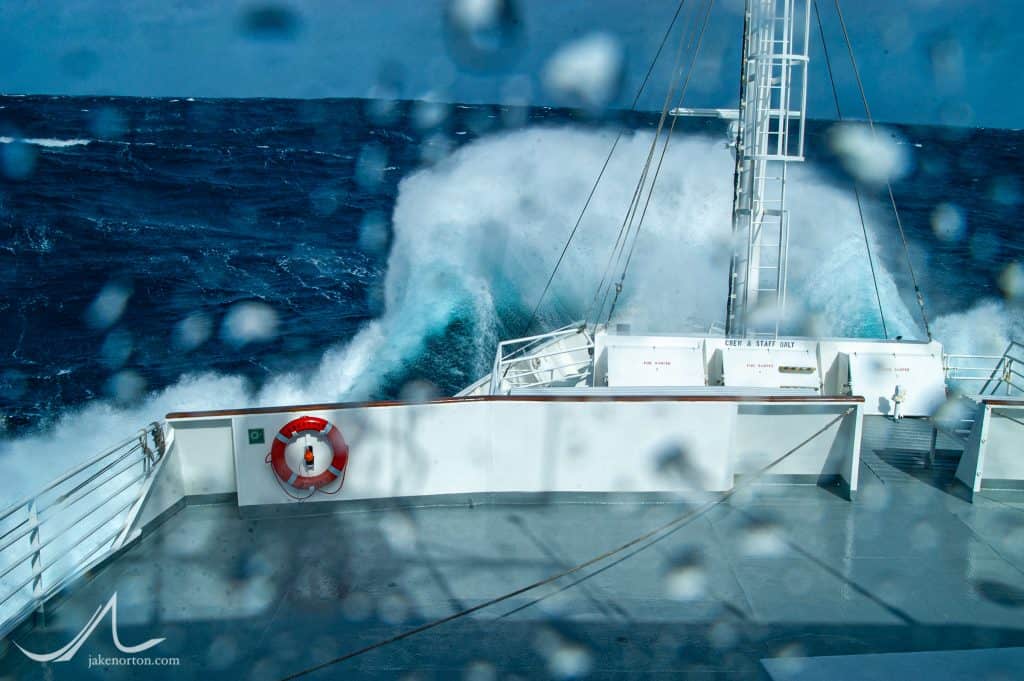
point(475, 237)
point(46, 142)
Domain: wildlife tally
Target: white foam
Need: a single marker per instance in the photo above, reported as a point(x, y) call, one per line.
point(475, 237)
point(46, 141)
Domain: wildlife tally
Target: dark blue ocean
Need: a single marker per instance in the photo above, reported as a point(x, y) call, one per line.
point(162, 252)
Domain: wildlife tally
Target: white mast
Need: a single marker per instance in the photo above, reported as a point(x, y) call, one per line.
point(770, 135)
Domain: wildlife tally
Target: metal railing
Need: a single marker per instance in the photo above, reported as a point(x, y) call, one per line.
point(52, 537)
point(988, 374)
point(518, 360)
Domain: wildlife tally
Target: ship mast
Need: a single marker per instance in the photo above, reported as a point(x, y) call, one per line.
point(770, 135)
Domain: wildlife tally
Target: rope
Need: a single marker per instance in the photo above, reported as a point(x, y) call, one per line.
point(281, 485)
point(619, 249)
point(604, 167)
point(888, 184)
point(627, 221)
point(657, 170)
point(664, 528)
point(856, 187)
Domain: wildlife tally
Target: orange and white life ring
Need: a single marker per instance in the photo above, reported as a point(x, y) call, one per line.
point(335, 470)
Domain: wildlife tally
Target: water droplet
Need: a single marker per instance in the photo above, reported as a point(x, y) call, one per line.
point(985, 246)
point(762, 537)
point(80, 63)
point(400, 532)
point(570, 661)
point(419, 390)
point(1006, 191)
point(373, 233)
point(370, 165)
point(325, 200)
point(109, 305)
point(126, 386)
point(483, 35)
point(947, 58)
point(1011, 281)
point(13, 384)
point(435, 148)
point(269, 21)
point(1000, 593)
point(249, 322)
point(109, 123)
point(381, 107)
point(481, 120)
point(566, 659)
point(376, 297)
point(192, 331)
point(18, 159)
point(870, 157)
point(393, 608)
point(516, 94)
point(429, 112)
point(586, 73)
point(790, 659)
point(116, 348)
point(723, 635)
point(954, 412)
point(356, 606)
point(223, 652)
point(673, 462)
point(956, 113)
point(686, 578)
point(948, 222)
point(480, 670)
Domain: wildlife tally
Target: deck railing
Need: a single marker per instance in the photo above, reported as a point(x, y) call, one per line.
point(988, 374)
point(520, 359)
point(52, 537)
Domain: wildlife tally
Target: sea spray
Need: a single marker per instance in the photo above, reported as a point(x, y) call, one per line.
point(475, 238)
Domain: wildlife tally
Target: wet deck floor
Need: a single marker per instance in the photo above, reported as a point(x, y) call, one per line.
point(773, 572)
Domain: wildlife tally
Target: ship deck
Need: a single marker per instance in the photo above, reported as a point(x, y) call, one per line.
point(764, 585)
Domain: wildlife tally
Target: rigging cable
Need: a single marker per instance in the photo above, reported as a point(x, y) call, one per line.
point(657, 170)
point(604, 167)
point(627, 221)
point(656, 534)
point(888, 184)
point(856, 187)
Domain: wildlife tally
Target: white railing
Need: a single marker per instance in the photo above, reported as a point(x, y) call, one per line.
point(988, 374)
point(52, 537)
point(519, 360)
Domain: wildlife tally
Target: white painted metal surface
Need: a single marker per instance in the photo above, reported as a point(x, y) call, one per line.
point(875, 376)
point(771, 368)
point(526, 445)
point(994, 455)
point(773, 101)
point(654, 361)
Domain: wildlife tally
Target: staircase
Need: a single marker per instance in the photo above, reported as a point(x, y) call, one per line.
point(895, 452)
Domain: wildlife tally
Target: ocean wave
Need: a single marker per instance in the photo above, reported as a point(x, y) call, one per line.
point(47, 141)
point(476, 235)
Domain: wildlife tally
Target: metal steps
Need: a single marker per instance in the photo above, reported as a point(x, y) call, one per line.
point(900, 451)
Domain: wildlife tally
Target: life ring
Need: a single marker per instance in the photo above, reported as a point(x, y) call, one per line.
point(335, 470)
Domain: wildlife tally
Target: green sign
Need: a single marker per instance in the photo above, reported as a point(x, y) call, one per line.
point(255, 436)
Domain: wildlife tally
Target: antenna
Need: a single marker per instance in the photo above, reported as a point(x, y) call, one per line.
point(770, 135)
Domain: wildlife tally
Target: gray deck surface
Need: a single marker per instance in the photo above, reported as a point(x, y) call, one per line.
point(776, 571)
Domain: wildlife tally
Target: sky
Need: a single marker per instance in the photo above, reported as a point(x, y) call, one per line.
point(948, 62)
